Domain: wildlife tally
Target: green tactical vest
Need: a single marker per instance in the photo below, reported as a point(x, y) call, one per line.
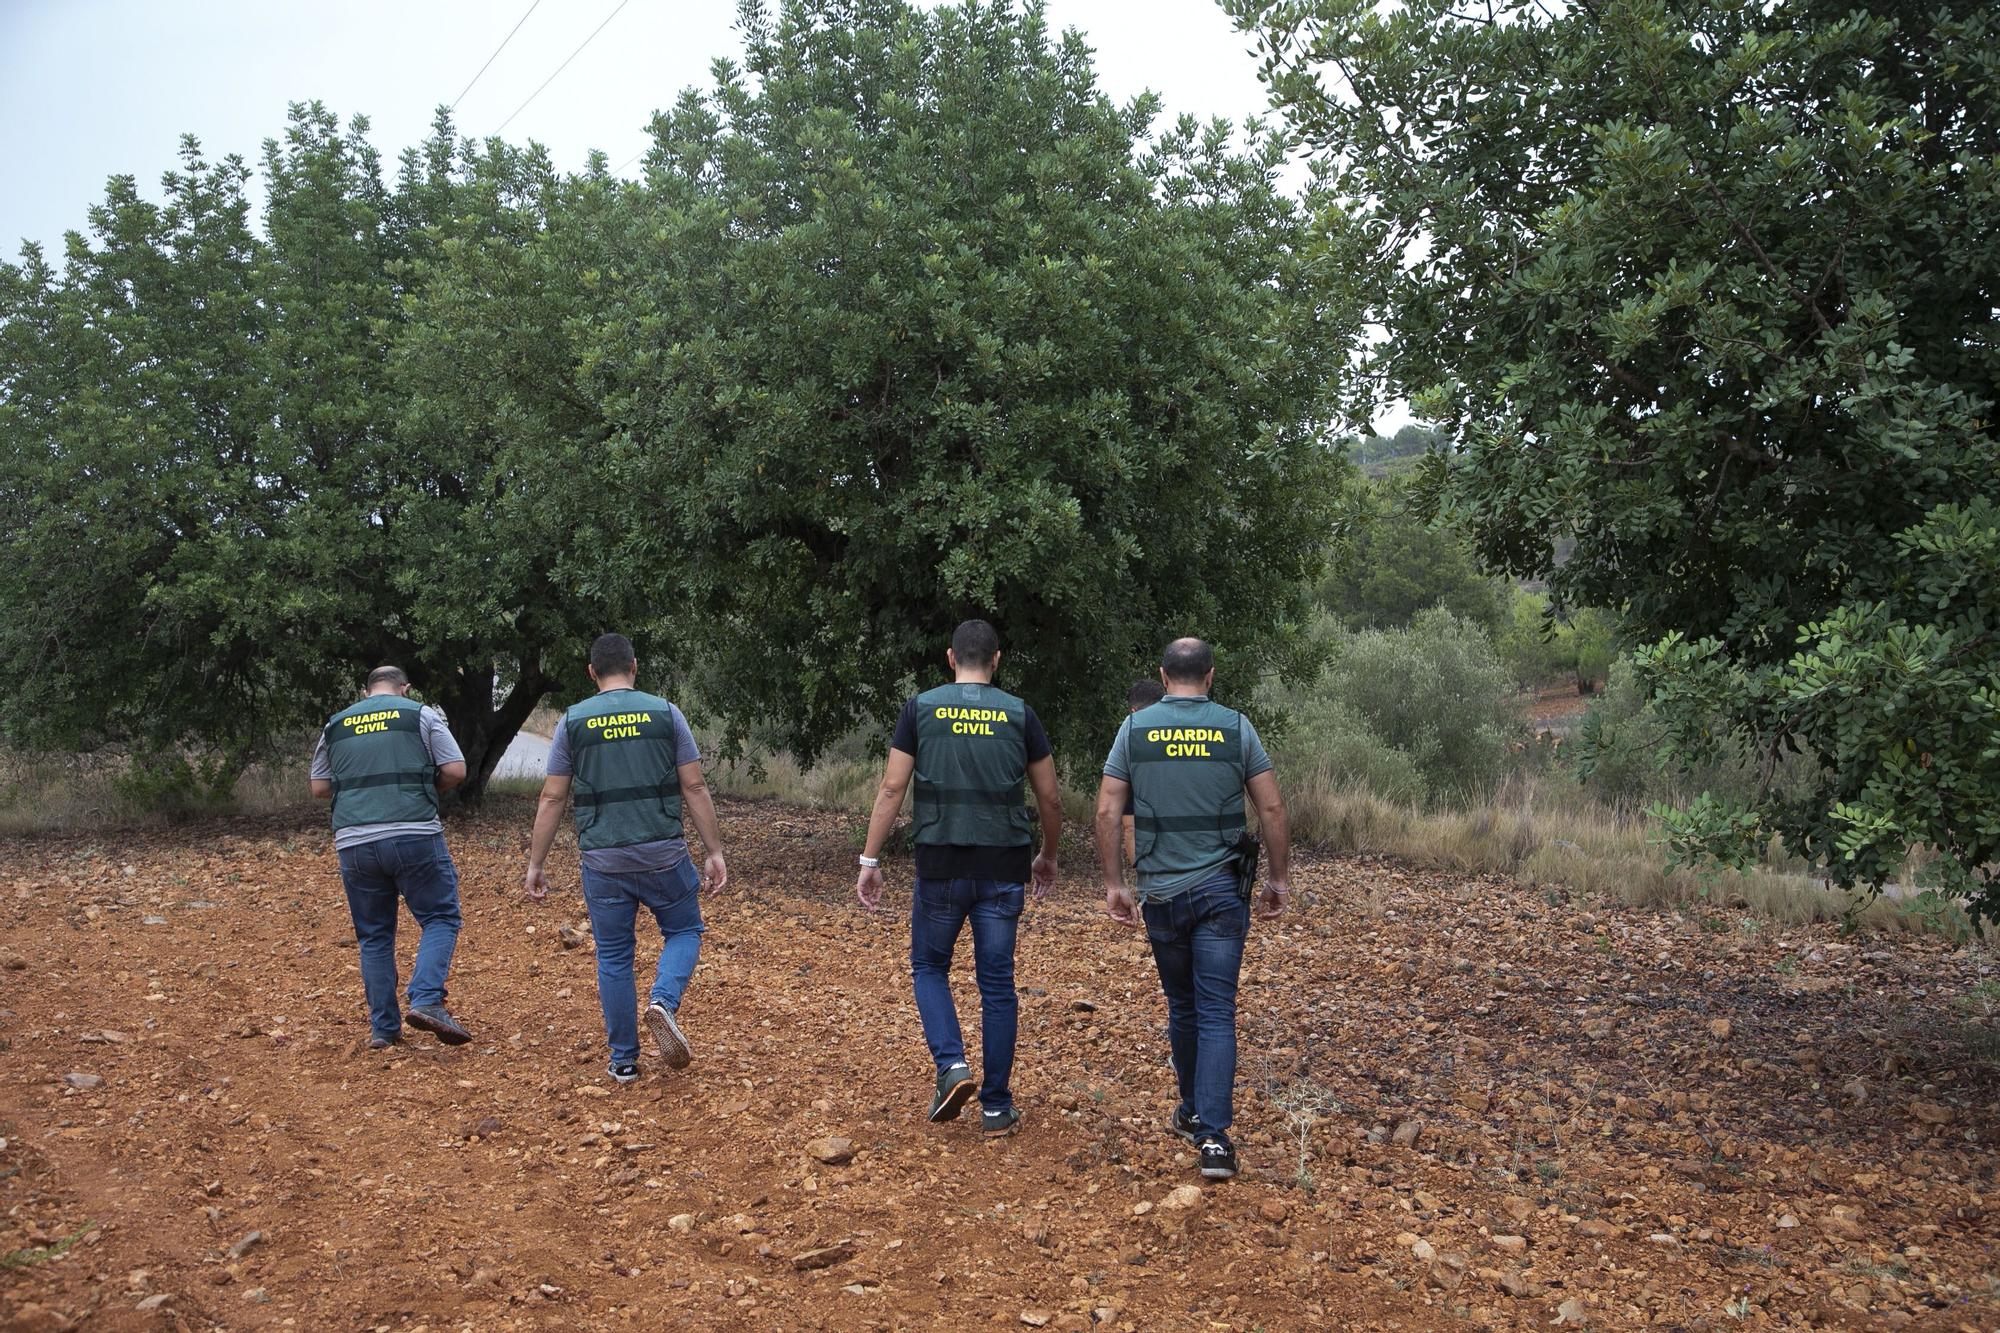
point(1186, 762)
point(625, 783)
point(382, 770)
point(972, 755)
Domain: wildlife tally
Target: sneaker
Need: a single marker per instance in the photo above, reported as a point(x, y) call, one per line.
point(378, 1042)
point(432, 1018)
point(625, 1073)
point(999, 1124)
point(1186, 1124)
point(1218, 1159)
point(667, 1035)
point(954, 1089)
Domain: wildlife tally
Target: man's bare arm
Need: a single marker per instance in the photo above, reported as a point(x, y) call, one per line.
point(1119, 903)
point(1048, 800)
point(888, 804)
point(548, 815)
point(1274, 827)
point(701, 808)
point(450, 775)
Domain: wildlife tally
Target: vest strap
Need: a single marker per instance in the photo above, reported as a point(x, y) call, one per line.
point(1187, 823)
point(1007, 796)
point(382, 780)
point(620, 795)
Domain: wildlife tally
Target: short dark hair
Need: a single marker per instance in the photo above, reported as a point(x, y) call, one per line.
point(1144, 692)
point(388, 675)
point(975, 643)
point(612, 655)
point(1187, 661)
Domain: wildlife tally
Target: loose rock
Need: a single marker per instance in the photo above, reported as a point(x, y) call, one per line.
point(824, 1257)
point(833, 1151)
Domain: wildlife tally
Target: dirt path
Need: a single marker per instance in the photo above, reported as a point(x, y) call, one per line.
point(1620, 1118)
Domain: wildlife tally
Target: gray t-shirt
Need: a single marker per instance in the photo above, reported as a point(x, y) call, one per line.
point(444, 750)
point(640, 857)
point(1157, 888)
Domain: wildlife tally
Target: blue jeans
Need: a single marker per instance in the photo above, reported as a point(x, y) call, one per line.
point(1197, 943)
point(938, 908)
point(419, 870)
point(673, 897)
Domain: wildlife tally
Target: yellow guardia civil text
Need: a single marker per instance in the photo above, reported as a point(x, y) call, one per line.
point(617, 726)
point(1185, 742)
point(360, 724)
point(971, 721)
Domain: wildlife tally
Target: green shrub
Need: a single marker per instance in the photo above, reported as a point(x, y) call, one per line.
point(1412, 716)
point(1527, 644)
point(1397, 565)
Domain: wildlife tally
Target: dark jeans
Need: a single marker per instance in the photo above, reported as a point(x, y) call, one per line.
point(938, 908)
point(613, 901)
point(419, 870)
point(1197, 943)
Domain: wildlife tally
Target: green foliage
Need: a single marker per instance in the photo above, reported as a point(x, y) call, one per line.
point(922, 327)
point(223, 498)
point(1710, 288)
point(1397, 564)
point(1529, 644)
point(1625, 757)
point(1382, 455)
point(1540, 647)
point(907, 322)
point(1413, 715)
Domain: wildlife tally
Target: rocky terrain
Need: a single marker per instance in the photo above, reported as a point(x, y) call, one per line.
point(1464, 1104)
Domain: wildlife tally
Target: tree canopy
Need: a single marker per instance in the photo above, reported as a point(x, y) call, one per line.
point(906, 322)
point(1711, 288)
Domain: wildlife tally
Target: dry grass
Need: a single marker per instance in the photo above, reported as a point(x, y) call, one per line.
point(838, 784)
point(1544, 832)
point(70, 793)
point(1549, 833)
point(543, 722)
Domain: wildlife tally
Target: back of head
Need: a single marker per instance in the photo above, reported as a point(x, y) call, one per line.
point(1187, 661)
point(612, 655)
point(1143, 694)
point(392, 676)
point(975, 644)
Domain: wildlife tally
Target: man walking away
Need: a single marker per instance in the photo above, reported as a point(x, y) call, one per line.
point(633, 765)
point(1185, 764)
point(968, 745)
point(383, 762)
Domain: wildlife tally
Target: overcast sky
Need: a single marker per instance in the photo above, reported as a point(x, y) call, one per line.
point(95, 88)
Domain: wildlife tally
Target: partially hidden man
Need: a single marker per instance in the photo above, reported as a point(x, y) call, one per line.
point(967, 747)
point(630, 761)
point(1186, 764)
point(383, 762)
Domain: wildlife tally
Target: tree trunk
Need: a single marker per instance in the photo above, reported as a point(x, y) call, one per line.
point(483, 731)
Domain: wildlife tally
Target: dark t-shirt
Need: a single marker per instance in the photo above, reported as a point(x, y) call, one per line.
point(1009, 865)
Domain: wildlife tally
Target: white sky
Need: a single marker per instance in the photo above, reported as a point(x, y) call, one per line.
point(95, 88)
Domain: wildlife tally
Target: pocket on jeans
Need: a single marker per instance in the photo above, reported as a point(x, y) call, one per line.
point(1011, 901)
point(942, 900)
point(1230, 922)
point(1159, 919)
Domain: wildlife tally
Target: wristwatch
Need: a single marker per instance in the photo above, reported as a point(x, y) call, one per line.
point(872, 862)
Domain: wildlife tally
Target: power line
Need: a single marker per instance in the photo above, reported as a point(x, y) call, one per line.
point(495, 56)
point(565, 65)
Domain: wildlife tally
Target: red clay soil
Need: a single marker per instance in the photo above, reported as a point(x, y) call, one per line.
point(1463, 1105)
